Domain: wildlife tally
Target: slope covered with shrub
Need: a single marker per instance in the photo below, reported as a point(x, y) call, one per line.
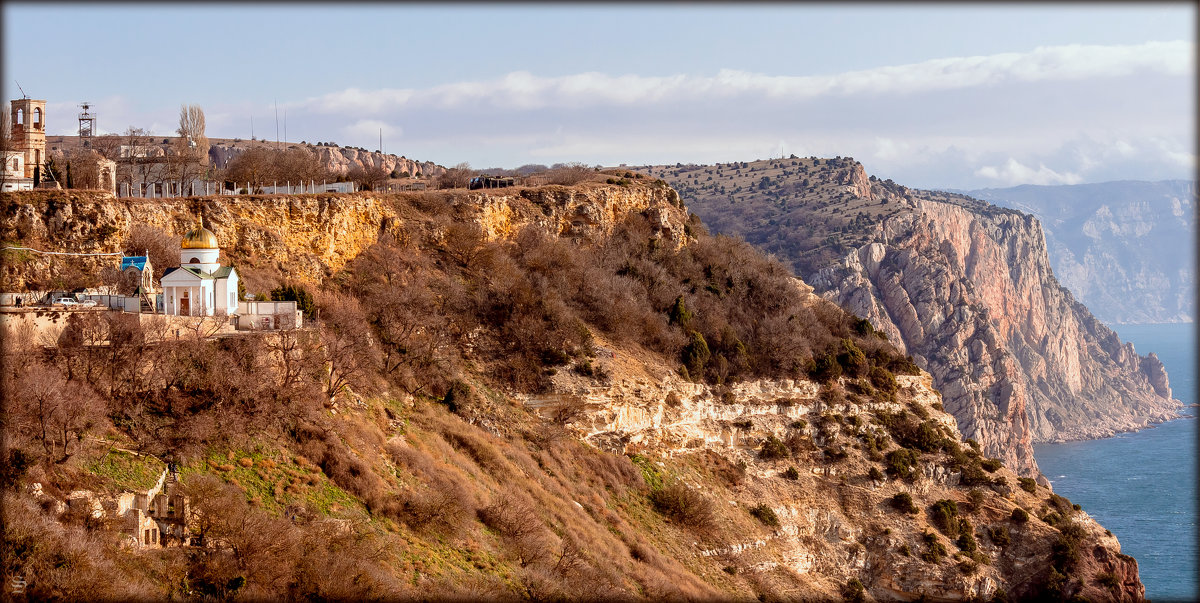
point(385, 451)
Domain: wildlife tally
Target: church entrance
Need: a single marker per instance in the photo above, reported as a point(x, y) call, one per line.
point(185, 308)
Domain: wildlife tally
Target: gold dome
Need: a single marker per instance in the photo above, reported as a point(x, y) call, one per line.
point(201, 238)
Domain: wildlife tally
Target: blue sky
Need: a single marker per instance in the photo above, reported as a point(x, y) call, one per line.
point(938, 95)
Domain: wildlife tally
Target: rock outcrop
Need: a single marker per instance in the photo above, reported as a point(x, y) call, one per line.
point(1123, 248)
point(304, 238)
point(337, 159)
point(834, 521)
point(963, 286)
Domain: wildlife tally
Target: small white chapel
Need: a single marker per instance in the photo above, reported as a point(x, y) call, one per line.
point(200, 286)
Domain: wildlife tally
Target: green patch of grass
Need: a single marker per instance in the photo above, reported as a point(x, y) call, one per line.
point(273, 484)
point(652, 475)
point(126, 471)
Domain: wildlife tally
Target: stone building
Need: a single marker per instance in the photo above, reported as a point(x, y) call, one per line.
point(28, 132)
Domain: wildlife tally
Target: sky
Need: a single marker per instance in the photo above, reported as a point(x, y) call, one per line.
point(937, 95)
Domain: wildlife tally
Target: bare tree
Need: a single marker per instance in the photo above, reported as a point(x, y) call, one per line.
point(137, 165)
point(109, 146)
point(456, 177)
point(188, 157)
point(368, 178)
point(53, 411)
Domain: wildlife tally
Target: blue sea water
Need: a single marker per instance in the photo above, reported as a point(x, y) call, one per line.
point(1142, 485)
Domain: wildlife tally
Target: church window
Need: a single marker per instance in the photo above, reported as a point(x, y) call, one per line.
point(194, 261)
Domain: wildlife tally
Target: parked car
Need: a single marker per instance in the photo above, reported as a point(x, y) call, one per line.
point(88, 303)
point(65, 301)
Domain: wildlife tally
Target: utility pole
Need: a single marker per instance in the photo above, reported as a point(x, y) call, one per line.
point(277, 123)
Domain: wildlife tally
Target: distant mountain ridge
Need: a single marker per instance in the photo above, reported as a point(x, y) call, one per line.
point(1124, 248)
point(964, 286)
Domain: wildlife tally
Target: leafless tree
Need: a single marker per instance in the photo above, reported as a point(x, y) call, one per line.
point(188, 157)
point(109, 146)
point(137, 165)
point(53, 411)
point(456, 177)
point(369, 178)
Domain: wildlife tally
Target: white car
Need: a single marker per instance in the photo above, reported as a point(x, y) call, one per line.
point(65, 301)
point(88, 303)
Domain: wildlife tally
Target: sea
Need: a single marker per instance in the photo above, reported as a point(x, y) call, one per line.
point(1142, 485)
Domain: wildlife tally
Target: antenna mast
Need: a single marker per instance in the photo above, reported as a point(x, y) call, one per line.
point(23, 95)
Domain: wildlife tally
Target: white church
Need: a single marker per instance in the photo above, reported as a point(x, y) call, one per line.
point(200, 286)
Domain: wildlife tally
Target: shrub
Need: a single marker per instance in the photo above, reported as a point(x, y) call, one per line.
point(852, 591)
point(901, 462)
point(791, 474)
point(904, 550)
point(1108, 580)
point(934, 549)
point(991, 465)
point(875, 474)
point(773, 448)
point(1027, 484)
point(1020, 515)
point(903, 502)
point(999, 535)
point(883, 380)
point(684, 505)
point(765, 514)
point(944, 515)
point(966, 539)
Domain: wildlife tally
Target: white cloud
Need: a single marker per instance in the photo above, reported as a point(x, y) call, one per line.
point(372, 128)
point(1014, 172)
point(524, 90)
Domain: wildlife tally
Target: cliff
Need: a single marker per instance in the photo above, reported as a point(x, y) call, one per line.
point(833, 519)
point(438, 471)
point(963, 286)
point(336, 159)
point(1120, 247)
point(302, 238)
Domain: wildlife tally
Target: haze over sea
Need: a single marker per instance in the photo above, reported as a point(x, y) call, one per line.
point(1142, 485)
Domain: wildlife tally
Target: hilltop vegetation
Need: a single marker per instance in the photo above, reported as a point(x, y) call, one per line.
point(387, 451)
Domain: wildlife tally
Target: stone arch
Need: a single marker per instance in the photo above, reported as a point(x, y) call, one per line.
point(37, 118)
point(16, 164)
point(19, 119)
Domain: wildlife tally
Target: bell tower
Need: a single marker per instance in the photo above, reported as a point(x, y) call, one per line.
point(29, 132)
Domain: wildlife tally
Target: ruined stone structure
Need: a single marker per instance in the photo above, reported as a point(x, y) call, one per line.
point(29, 132)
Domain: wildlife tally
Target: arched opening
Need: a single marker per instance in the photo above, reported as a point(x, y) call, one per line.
point(16, 164)
point(194, 261)
point(20, 120)
point(37, 118)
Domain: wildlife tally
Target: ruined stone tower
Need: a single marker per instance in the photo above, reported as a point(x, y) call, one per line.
point(29, 132)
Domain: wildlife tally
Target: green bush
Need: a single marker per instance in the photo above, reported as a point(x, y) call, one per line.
point(773, 448)
point(934, 550)
point(875, 474)
point(765, 514)
point(903, 502)
point(999, 535)
point(1020, 515)
point(1027, 484)
point(991, 465)
point(883, 380)
point(944, 515)
point(902, 461)
point(853, 591)
point(791, 474)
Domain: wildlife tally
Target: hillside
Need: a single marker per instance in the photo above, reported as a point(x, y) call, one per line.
point(964, 286)
point(538, 393)
point(1123, 248)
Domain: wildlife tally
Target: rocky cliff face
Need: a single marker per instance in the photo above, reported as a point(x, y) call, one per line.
point(304, 238)
point(338, 160)
point(835, 522)
point(972, 296)
point(963, 286)
point(1123, 248)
